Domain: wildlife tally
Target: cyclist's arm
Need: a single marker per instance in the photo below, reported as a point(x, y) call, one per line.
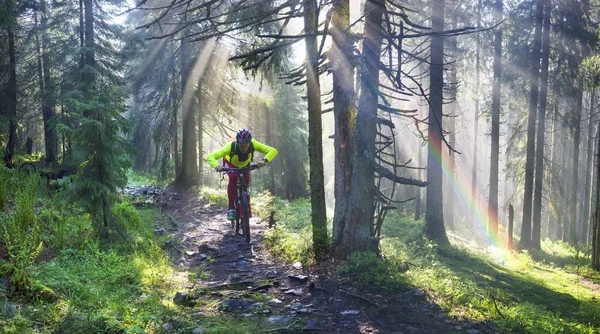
point(216, 155)
point(268, 151)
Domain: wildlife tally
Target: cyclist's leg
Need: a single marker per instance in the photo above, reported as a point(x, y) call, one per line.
point(231, 186)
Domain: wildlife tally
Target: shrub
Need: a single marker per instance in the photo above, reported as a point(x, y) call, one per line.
point(369, 269)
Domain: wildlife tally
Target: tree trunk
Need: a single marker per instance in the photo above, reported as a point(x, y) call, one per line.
point(564, 204)
point(534, 76)
point(269, 133)
point(174, 112)
point(343, 113)
point(511, 216)
point(188, 175)
point(451, 177)
point(11, 94)
point(495, 148)
point(576, 139)
point(589, 167)
point(539, 151)
point(90, 45)
point(553, 223)
point(315, 132)
point(477, 111)
point(200, 123)
point(48, 100)
point(418, 189)
point(358, 232)
point(596, 230)
point(434, 219)
point(81, 39)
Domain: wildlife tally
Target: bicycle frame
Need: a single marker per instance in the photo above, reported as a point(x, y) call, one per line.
point(242, 214)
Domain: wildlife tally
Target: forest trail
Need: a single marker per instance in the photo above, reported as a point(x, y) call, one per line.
point(248, 281)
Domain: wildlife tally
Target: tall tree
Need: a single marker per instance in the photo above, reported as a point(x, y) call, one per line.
point(495, 149)
point(576, 128)
point(188, 174)
point(357, 233)
point(11, 89)
point(453, 92)
point(343, 111)
point(315, 131)
point(541, 130)
point(434, 218)
point(589, 168)
point(534, 75)
point(477, 111)
point(48, 93)
point(596, 229)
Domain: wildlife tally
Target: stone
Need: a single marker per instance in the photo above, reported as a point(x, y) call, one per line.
point(198, 330)
point(182, 298)
point(278, 319)
point(301, 278)
point(295, 292)
point(349, 312)
point(235, 305)
point(297, 265)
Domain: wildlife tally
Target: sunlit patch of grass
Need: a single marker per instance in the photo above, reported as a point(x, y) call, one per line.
point(290, 246)
point(212, 195)
point(145, 179)
point(534, 292)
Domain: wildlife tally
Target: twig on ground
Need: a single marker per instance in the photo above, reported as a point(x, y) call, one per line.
point(360, 297)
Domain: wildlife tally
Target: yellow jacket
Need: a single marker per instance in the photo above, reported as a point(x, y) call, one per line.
point(225, 152)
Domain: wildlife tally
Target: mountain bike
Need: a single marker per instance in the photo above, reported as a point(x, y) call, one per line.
point(242, 207)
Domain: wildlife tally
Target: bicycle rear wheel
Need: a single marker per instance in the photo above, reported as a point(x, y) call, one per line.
point(245, 220)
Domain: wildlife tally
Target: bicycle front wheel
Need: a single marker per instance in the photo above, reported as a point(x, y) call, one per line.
point(245, 220)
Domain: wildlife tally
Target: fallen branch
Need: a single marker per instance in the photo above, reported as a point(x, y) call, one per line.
point(360, 297)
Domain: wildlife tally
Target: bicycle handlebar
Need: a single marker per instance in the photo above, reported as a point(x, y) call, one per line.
point(228, 169)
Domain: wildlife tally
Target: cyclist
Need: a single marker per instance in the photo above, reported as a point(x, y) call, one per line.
point(237, 154)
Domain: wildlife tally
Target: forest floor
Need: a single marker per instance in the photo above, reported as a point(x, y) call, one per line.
point(226, 275)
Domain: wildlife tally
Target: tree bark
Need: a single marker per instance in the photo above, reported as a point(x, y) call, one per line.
point(343, 112)
point(200, 124)
point(564, 204)
point(90, 58)
point(511, 216)
point(315, 132)
point(596, 230)
point(358, 232)
point(576, 141)
point(553, 222)
point(188, 174)
point(418, 189)
point(48, 100)
point(434, 219)
point(11, 94)
point(539, 151)
point(495, 148)
point(534, 76)
point(589, 167)
point(451, 177)
point(477, 111)
point(174, 117)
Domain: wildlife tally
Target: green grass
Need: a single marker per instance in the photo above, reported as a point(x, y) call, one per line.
point(145, 179)
point(511, 289)
point(547, 291)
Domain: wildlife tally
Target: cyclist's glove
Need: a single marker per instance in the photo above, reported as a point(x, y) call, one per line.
point(219, 168)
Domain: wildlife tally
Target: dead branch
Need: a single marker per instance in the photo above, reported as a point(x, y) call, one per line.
point(398, 179)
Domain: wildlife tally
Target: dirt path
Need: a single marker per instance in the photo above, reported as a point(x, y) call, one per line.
point(294, 299)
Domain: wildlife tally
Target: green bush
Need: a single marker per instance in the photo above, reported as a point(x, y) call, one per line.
point(370, 270)
point(213, 196)
point(291, 247)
